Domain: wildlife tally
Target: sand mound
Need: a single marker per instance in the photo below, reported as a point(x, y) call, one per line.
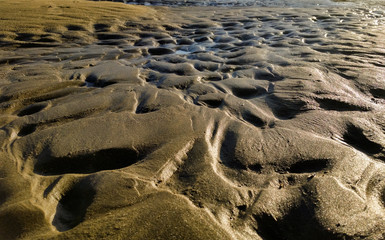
point(212, 123)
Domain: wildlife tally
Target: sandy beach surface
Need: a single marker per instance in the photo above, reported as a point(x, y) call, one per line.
point(192, 122)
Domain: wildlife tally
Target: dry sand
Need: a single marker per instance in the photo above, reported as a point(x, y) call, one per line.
point(130, 122)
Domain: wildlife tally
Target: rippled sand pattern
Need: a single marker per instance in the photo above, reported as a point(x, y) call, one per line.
point(213, 123)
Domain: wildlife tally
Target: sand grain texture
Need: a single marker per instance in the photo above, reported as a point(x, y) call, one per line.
point(191, 123)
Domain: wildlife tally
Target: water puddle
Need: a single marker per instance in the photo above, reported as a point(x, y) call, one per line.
point(181, 52)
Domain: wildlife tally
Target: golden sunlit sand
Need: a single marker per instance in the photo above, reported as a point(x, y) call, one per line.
point(133, 122)
point(53, 22)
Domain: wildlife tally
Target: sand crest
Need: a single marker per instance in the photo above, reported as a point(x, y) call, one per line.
point(136, 122)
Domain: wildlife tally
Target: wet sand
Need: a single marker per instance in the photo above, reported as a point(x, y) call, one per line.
point(193, 123)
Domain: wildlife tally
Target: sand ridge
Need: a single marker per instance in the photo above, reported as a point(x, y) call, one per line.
point(214, 123)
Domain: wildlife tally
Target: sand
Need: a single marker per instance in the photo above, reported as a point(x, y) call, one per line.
point(133, 122)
